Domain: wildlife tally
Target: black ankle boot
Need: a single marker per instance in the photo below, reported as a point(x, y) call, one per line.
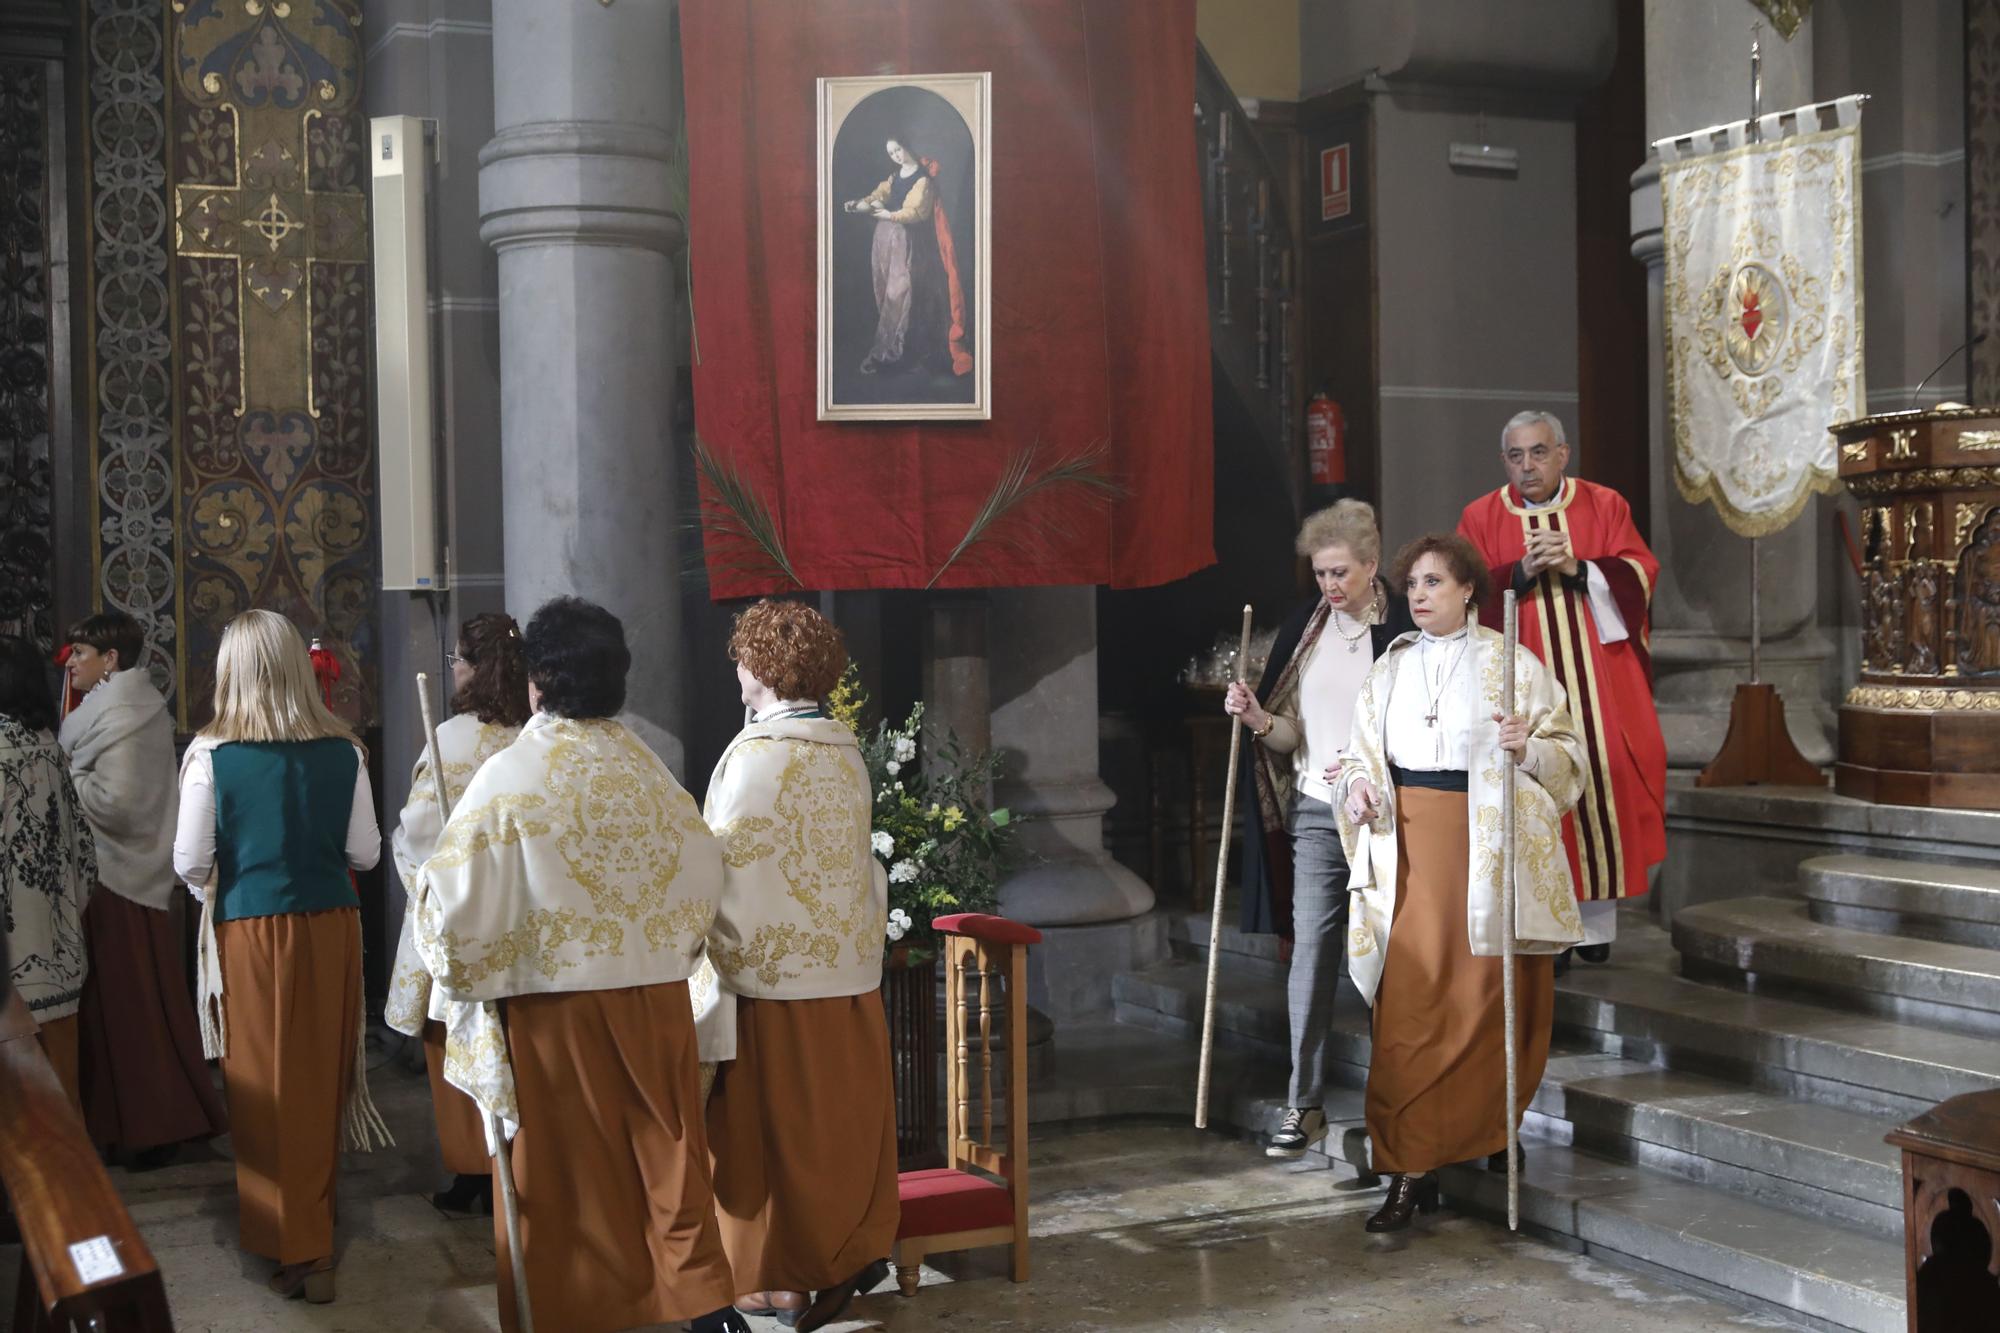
point(469, 1196)
point(1408, 1196)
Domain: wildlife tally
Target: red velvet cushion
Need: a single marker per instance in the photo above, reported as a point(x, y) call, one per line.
point(941, 1201)
point(992, 929)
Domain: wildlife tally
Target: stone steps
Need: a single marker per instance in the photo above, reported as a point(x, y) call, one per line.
point(1763, 943)
point(1930, 900)
point(1771, 1200)
point(1838, 1058)
point(1824, 1160)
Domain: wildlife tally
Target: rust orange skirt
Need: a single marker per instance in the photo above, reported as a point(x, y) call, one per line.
point(803, 1127)
point(1437, 1078)
point(461, 1135)
point(291, 996)
point(611, 1163)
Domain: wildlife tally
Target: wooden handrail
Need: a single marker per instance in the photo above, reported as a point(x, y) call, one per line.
point(68, 1211)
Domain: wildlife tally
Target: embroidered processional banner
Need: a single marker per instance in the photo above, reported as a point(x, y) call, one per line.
point(1763, 312)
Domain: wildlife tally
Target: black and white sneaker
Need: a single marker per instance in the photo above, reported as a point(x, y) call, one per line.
point(1302, 1127)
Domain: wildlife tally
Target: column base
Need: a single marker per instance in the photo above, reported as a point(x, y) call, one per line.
point(1070, 972)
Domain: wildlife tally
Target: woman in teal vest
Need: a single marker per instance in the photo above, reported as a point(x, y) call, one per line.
point(275, 810)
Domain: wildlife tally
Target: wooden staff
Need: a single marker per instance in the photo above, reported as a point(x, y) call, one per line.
point(1215, 907)
point(503, 1164)
point(1513, 640)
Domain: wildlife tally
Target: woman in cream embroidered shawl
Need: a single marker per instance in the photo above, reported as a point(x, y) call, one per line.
point(561, 916)
point(489, 704)
point(802, 1123)
point(1420, 790)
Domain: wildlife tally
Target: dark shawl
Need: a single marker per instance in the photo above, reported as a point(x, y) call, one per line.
point(1267, 856)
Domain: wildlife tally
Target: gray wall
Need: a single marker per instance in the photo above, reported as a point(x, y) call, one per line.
point(1477, 274)
point(434, 58)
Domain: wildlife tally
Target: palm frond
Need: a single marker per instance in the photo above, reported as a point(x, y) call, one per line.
point(736, 519)
point(1020, 482)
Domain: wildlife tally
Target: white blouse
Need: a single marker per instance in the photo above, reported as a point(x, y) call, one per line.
point(1430, 710)
point(1331, 681)
point(194, 835)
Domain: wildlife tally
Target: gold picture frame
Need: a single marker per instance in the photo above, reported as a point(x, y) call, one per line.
point(904, 201)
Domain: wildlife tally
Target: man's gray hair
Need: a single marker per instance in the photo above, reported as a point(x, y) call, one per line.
point(1520, 419)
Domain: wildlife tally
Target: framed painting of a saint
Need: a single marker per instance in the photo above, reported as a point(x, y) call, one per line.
point(905, 270)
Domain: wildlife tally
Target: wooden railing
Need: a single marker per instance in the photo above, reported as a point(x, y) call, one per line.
point(1252, 296)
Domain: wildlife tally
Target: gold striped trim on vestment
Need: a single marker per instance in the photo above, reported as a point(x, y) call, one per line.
point(1600, 851)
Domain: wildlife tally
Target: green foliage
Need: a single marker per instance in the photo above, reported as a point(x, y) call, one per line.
point(945, 851)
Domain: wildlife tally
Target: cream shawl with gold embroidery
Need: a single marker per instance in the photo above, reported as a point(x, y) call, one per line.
point(1545, 912)
point(464, 743)
point(573, 862)
point(805, 904)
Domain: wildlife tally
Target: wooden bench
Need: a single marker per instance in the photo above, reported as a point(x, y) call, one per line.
point(83, 1263)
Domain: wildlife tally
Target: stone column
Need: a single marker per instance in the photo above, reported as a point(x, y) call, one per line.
point(573, 192)
point(1698, 74)
point(1095, 914)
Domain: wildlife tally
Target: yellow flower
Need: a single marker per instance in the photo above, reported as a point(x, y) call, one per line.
point(953, 817)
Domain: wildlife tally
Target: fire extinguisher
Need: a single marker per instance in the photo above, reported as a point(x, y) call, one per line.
point(1326, 440)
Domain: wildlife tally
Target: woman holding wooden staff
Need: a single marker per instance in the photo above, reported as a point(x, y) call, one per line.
point(1294, 870)
point(489, 705)
point(1420, 789)
point(275, 810)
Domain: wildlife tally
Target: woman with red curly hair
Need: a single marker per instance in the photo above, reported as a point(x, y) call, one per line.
point(802, 1123)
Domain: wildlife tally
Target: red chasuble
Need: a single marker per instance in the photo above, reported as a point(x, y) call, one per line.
point(1618, 829)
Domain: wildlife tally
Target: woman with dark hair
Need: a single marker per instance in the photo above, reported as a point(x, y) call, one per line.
point(920, 304)
point(50, 861)
point(146, 1088)
point(808, 1201)
point(561, 916)
point(1420, 789)
point(276, 810)
point(489, 704)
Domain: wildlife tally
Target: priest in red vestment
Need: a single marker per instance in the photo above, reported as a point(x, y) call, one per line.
point(1584, 579)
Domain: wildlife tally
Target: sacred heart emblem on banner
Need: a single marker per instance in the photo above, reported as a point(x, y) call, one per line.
point(1763, 310)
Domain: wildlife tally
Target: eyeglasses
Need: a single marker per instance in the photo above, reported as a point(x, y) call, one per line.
point(456, 660)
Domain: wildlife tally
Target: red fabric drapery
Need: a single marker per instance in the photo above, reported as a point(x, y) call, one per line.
point(1099, 297)
point(961, 360)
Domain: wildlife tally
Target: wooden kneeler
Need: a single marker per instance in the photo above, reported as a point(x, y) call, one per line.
point(980, 1197)
point(83, 1263)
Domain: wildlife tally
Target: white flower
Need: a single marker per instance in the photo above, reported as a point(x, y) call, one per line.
point(883, 844)
point(906, 749)
point(895, 931)
point(895, 767)
point(902, 872)
point(900, 917)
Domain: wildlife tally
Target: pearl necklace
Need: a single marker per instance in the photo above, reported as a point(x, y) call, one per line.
point(1361, 626)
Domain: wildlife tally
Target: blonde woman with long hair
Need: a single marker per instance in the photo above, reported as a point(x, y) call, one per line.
point(275, 811)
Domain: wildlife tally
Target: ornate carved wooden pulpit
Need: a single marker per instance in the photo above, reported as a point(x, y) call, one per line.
point(1923, 726)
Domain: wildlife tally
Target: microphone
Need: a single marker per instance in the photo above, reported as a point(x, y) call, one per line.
point(1973, 341)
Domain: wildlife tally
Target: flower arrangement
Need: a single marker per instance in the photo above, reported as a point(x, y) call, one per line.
point(943, 849)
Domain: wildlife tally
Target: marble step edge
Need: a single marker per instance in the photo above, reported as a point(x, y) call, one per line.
point(1590, 1095)
point(1189, 932)
point(1952, 903)
point(1776, 939)
point(1830, 1056)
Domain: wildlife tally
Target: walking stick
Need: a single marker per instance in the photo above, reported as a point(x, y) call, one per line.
point(503, 1165)
point(1507, 922)
point(1215, 907)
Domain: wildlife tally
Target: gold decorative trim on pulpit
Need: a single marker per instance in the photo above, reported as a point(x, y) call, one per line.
point(1929, 699)
point(1924, 479)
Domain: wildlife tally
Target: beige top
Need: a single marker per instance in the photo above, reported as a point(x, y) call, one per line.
point(1328, 684)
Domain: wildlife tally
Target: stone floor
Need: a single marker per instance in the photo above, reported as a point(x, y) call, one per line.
point(1138, 1227)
